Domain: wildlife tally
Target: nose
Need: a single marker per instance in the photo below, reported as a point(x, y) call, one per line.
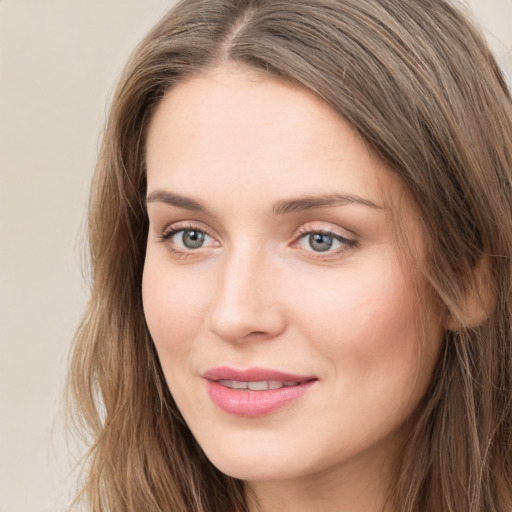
point(246, 304)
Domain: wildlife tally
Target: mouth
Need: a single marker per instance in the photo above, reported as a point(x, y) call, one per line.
point(261, 385)
point(254, 392)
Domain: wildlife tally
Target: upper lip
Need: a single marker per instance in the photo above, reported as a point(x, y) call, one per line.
point(253, 375)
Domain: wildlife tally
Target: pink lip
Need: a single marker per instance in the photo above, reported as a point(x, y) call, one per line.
point(254, 403)
point(252, 374)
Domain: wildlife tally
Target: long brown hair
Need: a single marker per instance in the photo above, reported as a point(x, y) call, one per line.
point(419, 84)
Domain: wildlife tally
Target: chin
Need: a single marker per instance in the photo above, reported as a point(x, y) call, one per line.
point(253, 465)
point(251, 471)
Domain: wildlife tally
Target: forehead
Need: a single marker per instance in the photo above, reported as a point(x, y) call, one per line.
point(240, 134)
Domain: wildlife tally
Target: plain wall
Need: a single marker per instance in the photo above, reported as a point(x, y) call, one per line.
point(58, 65)
point(59, 60)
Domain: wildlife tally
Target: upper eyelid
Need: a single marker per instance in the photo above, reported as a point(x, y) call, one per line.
point(341, 238)
point(304, 229)
point(313, 227)
point(333, 234)
point(184, 225)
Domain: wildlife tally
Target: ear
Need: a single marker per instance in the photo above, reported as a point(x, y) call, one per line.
point(478, 301)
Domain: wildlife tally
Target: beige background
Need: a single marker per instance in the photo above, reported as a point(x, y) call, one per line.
point(58, 64)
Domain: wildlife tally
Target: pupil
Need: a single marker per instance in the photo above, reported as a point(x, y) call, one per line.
point(320, 242)
point(192, 238)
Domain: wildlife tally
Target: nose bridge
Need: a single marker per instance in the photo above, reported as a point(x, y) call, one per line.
point(245, 303)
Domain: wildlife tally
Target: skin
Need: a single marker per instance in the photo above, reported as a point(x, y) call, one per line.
point(256, 293)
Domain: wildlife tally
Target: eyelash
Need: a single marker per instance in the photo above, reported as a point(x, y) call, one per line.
point(347, 243)
point(167, 235)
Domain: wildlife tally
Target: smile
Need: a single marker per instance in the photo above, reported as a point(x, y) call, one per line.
point(255, 391)
point(261, 385)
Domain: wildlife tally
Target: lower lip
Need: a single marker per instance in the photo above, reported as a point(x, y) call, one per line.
point(254, 403)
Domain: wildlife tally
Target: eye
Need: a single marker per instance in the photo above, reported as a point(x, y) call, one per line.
point(186, 239)
point(190, 238)
point(319, 242)
point(324, 242)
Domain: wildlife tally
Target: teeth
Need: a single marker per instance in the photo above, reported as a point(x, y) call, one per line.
point(258, 386)
point(262, 385)
point(237, 385)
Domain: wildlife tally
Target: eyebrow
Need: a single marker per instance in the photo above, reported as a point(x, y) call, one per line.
point(281, 207)
point(172, 199)
point(323, 201)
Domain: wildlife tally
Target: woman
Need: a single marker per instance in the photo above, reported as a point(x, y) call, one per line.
point(301, 243)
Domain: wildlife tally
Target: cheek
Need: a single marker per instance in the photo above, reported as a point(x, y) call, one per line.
point(365, 324)
point(174, 307)
point(357, 305)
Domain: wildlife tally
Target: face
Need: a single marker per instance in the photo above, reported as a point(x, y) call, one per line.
point(285, 321)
